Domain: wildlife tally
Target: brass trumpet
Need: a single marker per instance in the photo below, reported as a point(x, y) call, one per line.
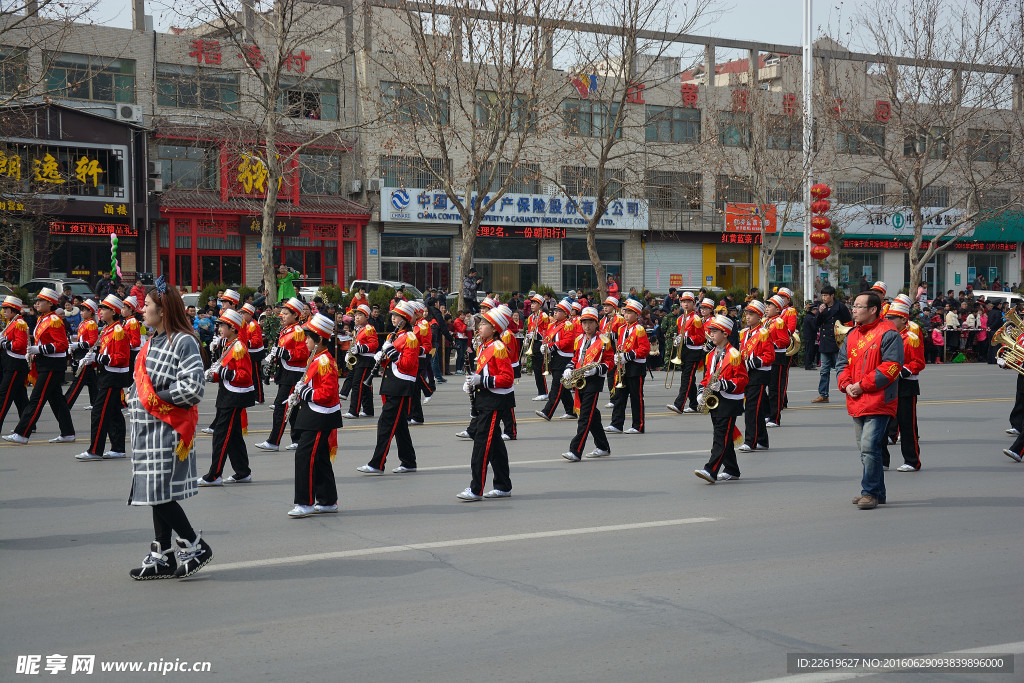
point(350, 360)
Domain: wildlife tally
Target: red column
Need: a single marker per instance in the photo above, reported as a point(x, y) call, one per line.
point(359, 251)
point(194, 232)
point(171, 259)
point(339, 245)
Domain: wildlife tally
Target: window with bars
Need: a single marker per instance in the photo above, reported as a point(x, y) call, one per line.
point(319, 174)
point(734, 129)
point(673, 190)
point(13, 68)
point(312, 98)
point(192, 168)
point(988, 145)
point(784, 191)
point(865, 139)
point(588, 118)
point(672, 124)
point(497, 113)
point(88, 77)
point(523, 178)
point(848, 192)
point(931, 143)
point(581, 181)
point(784, 132)
point(417, 172)
point(402, 103)
point(191, 87)
point(730, 189)
point(936, 196)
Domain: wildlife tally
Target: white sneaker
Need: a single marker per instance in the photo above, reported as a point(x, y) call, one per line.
point(771, 425)
point(113, 455)
point(302, 511)
point(1013, 431)
point(463, 434)
point(426, 399)
point(468, 496)
point(540, 397)
point(705, 475)
point(216, 482)
point(506, 437)
point(342, 397)
point(70, 438)
point(267, 446)
point(571, 457)
point(413, 423)
point(349, 416)
point(906, 468)
point(725, 476)
point(366, 469)
point(86, 408)
point(325, 509)
point(538, 413)
point(598, 453)
point(744, 448)
point(207, 430)
point(16, 438)
point(402, 469)
point(293, 446)
point(496, 493)
point(238, 480)
point(567, 416)
point(1006, 451)
point(363, 414)
point(633, 430)
point(672, 407)
point(688, 409)
point(86, 455)
point(612, 430)
point(609, 404)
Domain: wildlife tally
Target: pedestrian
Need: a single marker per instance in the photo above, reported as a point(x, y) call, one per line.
point(726, 380)
point(286, 278)
point(809, 332)
point(114, 376)
point(830, 311)
point(13, 366)
point(104, 286)
point(469, 289)
point(168, 387)
point(594, 357)
point(870, 360)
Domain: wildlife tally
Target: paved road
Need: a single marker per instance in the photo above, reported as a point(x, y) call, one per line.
point(625, 568)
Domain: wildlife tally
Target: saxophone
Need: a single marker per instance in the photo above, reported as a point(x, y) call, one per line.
point(577, 378)
point(708, 401)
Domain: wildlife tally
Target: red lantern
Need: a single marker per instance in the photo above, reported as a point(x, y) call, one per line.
point(820, 206)
point(820, 251)
point(820, 191)
point(821, 222)
point(819, 237)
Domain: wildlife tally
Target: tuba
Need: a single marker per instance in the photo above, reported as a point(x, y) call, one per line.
point(1012, 328)
point(794, 345)
point(1011, 352)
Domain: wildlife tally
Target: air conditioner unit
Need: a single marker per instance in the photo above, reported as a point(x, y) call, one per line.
point(356, 187)
point(374, 184)
point(156, 185)
point(156, 168)
point(129, 112)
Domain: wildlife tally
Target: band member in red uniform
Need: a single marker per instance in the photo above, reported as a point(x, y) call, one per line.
point(908, 390)
point(252, 335)
point(725, 376)
point(779, 334)
point(536, 330)
point(114, 376)
point(758, 355)
point(492, 396)
point(425, 383)
point(399, 358)
point(631, 351)
point(228, 301)
point(13, 366)
point(689, 334)
point(559, 347)
point(132, 327)
point(512, 344)
point(595, 351)
point(50, 353)
point(88, 335)
point(881, 289)
point(236, 393)
point(318, 420)
point(610, 324)
point(1014, 451)
point(292, 352)
point(365, 347)
point(789, 316)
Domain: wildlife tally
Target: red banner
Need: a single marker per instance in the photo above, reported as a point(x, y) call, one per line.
point(749, 218)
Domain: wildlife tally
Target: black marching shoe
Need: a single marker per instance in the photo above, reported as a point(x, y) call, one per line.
point(192, 556)
point(159, 564)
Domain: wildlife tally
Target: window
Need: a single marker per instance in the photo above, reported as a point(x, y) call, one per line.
point(193, 87)
point(414, 104)
point(424, 262)
point(859, 193)
point(494, 113)
point(319, 174)
point(931, 143)
point(13, 69)
point(672, 124)
point(864, 139)
point(862, 264)
point(312, 98)
point(734, 129)
point(87, 77)
point(785, 132)
point(506, 264)
point(988, 145)
point(674, 191)
point(577, 270)
point(590, 119)
point(581, 181)
point(524, 178)
point(935, 196)
point(785, 269)
point(411, 171)
point(993, 200)
point(782, 191)
point(193, 168)
point(731, 190)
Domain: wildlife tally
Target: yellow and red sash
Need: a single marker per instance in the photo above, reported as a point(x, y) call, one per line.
point(183, 420)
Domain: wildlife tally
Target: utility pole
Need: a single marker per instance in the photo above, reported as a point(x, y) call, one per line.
point(808, 146)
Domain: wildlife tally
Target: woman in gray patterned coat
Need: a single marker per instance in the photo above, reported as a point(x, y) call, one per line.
point(169, 384)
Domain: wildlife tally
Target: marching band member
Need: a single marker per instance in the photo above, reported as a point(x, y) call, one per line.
point(610, 324)
point(779, 335)
point(88, 334)
point(425, 382)
point(631, 351)
point(1014, 451)
point(399, 358)
point(366, 345)
point(132, 328)
point(690, 342)
point(908, 390)
point(228, 301)
point(252, 334)
point(559, 344)
point(726, 376)
point(758, 355)
point(317, 423)
point(512, 344)
point(491, 386)
point(50, 352)
point(537, 327)
point(590, 349)
point(236, 393)
point(13, 366)
point(292, 352)
point(114, 376)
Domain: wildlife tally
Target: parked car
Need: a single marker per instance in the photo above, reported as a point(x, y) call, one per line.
point(997, 297)
point(370, 285)
point(6, 291)
point(78, 287)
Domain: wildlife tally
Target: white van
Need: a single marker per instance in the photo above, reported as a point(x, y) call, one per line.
point(993, 296)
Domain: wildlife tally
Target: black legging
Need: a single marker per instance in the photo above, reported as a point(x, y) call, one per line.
point(169, 517)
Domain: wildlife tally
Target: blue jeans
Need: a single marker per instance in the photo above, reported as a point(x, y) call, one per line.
point(435, 364)
point(828, 363)
point(869, 432)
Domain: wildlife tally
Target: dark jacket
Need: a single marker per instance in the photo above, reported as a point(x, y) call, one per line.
point(469, 287)
point(809, 329)
point(826, 322)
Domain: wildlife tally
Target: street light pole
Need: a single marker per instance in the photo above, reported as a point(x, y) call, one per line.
point(808, 145)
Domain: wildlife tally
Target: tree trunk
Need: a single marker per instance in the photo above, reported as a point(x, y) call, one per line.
point(465, 260)
point(269, 214)
point(595, 259)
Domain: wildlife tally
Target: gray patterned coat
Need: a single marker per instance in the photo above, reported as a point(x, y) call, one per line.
point(176, 370)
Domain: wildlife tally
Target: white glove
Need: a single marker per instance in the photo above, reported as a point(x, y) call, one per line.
point(700, 397)
point(566, 374)
point(88, 358)
point(378, 356)
point(209, 374)
point(467, 386)
point(543, 348)
point(299, 386)
point(293, 398)
point(474, 380)
point(1001, 363)
point(267, 362)
point(387, 346)
point(618, 358)
point(33, 350)
point(715, 385)
point(590, 372)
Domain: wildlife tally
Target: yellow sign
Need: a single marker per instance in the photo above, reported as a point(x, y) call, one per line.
point(86, 169)
point(46, 170)
point(252, 173)
point(120, 209)
point(10, 166)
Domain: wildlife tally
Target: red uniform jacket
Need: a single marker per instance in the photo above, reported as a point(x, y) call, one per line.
point(758, 351)
point(562, 337)
point(494, 365)
point(691, 326)
point(235, 374)
point(508, 338)
point(366, 341)
point(134, 332)
point(253, 336)
point(50, 336)
point(403, 365)
point(913, 354)
point(599, 351)
point(15, 338)
point(734, 373)
point(789, 316)
point(294, 354)
point(777, 332)
point(321, 380)
point(633, 342)
point(611, 325)
point(114, 349)
point(538, 324)
point(88, 332)
point(871, 354)
point(424, 337)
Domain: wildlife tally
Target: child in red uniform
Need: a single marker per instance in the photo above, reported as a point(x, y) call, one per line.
point(13, 366)
point(725, 365)
point(909, 388)
point(114, 376)
point(759, 356)
point(365, 348)
point(596, 350)
point(88, 334)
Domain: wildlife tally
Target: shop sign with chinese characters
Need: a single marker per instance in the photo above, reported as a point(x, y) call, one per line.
point(88, 172)
point(959, 245)
point(83, 228)
point(248, 176)
point(887, 221)
point(741, 217)
point(526, 233)
point(253, 225)
point(514, 210)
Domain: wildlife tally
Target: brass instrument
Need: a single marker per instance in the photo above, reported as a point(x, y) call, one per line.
point(840, 332)
point(794, 345)
point(351, 359)
point(708, 401)
point(547, 361)
point(94, 349)
point(577, 378)
point(1011, 328)
point(620, 374)
point(528, 342)
point(1012, 353)
point(675, 353)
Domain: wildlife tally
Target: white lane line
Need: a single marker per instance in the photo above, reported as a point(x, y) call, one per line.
point(559, 459)
point(839, 675)
point(456, 543)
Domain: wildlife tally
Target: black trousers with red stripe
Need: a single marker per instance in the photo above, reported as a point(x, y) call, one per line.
point(632, 391)
point(906, 424)
point(285, 383)
point(688, 378)
point(589, 421)
point(425, 386)
point(257, 374)
point(107, 420)
point(723, 452)
point(360, 394)
point(47, 389)
point(777, 387)
point(393, 423)
point(755, 434)
point(314, 471)
point(489, 449)
point(228, 444)
point(12, 392)
point(86, 379)
point(539, 378)
point(508, 421)
point(558, 393)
